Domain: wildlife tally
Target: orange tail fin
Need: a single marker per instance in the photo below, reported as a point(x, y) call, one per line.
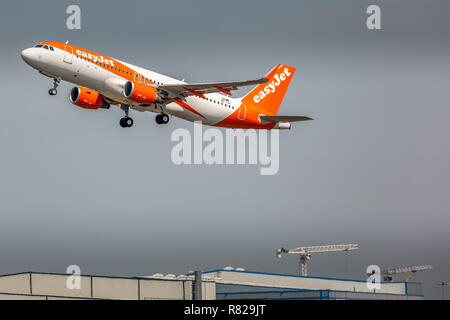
point(267, 97)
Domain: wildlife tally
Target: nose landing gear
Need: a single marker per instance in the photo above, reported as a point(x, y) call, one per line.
point(53, 90)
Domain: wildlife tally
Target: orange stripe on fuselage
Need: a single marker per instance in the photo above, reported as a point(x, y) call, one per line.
point(251, 120)
point(183, 104)
point(113, 68)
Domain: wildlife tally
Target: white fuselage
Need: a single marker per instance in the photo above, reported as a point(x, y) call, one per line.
point(74, 68)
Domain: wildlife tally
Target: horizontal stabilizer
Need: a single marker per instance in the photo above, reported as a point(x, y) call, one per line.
point(284, 118)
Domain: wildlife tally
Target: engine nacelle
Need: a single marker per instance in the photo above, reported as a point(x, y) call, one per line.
point(140, 93)
point(86, 98)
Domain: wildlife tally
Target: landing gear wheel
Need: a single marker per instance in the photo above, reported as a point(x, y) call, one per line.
point(53, 91)
point(126, 122)
point(162, 118)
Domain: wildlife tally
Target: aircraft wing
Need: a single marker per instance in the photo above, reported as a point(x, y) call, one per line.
point(198, 89)
point(284, 118)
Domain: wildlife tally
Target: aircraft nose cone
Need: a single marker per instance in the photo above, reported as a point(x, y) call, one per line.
point(28, 56)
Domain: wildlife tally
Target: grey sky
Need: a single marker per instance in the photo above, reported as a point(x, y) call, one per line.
point(373, 168)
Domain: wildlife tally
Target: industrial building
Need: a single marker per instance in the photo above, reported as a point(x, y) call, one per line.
point(226, 283)
point(240, 284)
point(53, 286)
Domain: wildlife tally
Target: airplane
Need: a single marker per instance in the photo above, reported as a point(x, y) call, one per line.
point(102, 82)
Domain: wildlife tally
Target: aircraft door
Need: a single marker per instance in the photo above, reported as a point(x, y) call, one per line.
point(68, 55)
point(242, 112)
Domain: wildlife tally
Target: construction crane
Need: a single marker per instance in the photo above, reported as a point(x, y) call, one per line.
point(389, 273)
point(305, 253)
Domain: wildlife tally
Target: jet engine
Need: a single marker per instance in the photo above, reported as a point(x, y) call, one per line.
point(140, 93)
point(87, 98)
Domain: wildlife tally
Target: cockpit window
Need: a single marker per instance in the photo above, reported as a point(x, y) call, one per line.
point(46, 47)
point(51, 49)
point(38, 46)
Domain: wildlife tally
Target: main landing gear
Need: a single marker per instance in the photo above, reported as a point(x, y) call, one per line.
point(162, 118)
point(126, 121)
point(53, 90)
